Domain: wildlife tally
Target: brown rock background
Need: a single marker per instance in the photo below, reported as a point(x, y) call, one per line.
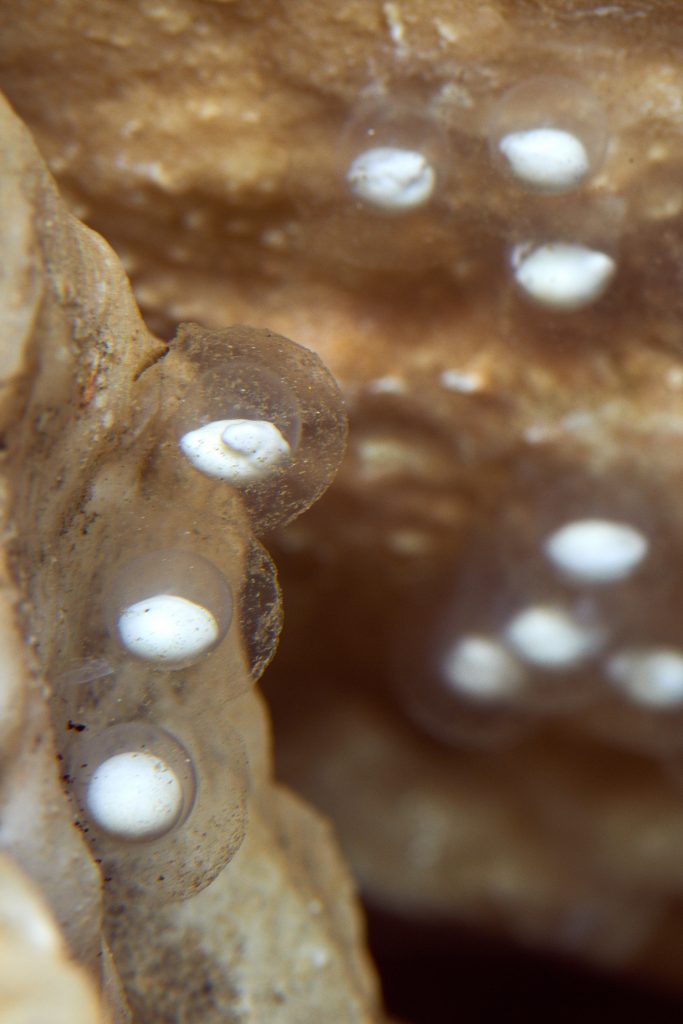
point(207, 142)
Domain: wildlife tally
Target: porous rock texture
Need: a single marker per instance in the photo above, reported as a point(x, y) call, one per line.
point(86, 936)
point(38, 979)
point(208, 142)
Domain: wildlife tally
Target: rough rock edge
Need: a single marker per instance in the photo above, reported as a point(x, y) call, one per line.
point(70, 310)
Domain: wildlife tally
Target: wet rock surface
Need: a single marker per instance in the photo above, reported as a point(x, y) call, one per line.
point(211, 144)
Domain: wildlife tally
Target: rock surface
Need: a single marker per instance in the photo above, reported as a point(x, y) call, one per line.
point(87, 405)
point(209, 142)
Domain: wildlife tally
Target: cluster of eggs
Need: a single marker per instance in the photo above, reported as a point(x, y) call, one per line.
point(253, 430)
point(543, 617)
point(547, 135)
point(515, 644)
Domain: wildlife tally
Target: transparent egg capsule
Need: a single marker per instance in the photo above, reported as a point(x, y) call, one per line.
point(388, 175)
point(455, 679)
point(618, 543)
point(514, 642)
point(651, 677)
point(393, 157)
point(164, 809)
point(554, 636)
point(642, 707)
point(468, 697)
point(260, 611)
point(481, 668)
point(257, 412)
point(249, 428)
point(169, 608)
point(134, 782)
point(599, 532)
point(555, 633)
point(464, 694)
point(82, 673)
point(548, 134)
point(563, 276)
point(465, 724)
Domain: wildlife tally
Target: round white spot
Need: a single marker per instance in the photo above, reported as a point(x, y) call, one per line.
point(241, 451)
point(134, 796)
point(479, 667)
point(596, 550)
point(549, 637)
point(548, 159)
point(465, 383)
point(167, 628)
point(562, 276)
point(392, 179)
point(652, 676)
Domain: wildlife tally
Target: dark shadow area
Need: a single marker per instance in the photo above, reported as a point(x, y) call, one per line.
point(443, 974)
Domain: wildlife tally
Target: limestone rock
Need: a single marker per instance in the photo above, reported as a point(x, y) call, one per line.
point(93, 481)
point(38, 980)
point(210, 143)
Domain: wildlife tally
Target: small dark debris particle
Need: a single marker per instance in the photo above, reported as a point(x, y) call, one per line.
point(76, 726)
point(66, 777)
point(161, 878)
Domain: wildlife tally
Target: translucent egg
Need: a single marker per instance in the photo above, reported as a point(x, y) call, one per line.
point(482, 669)
point(467, 717)
point(239, 420)
point(548, 134)
point(458, 684)
point(393, 156)
point(82, 673)
point(597, 550)
point(163, 805)
point(514, 632)
point(260, 610)
point(256, 411)
point(561, 276)
point(553, 638)
point(649, 676)
point(471, 681)
point(169, 608)
point(137, 784)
